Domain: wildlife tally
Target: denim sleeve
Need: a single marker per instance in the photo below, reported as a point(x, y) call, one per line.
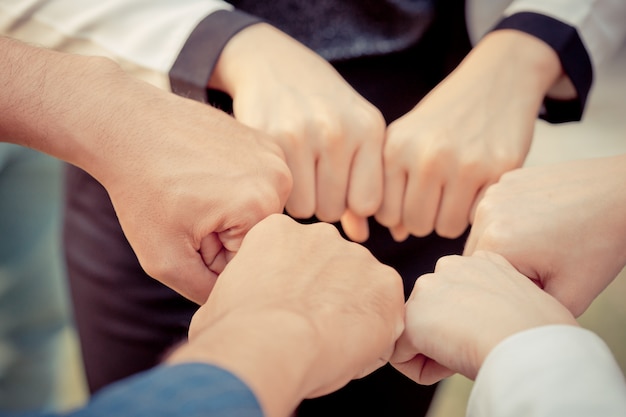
point(189, 390)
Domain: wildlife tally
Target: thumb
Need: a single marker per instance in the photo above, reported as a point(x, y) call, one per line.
point(354, 226)
point(183, 269)
point(423, 370)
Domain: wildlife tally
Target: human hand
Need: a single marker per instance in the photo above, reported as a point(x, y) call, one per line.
point(458, 314)
point(305, 312)
point(187, 181)
point(561, 225)
point(198, 183)
point(331, 136)
point(473, 127)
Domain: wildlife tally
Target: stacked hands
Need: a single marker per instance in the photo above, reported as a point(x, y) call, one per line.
point(340, 314)
point(423, 173)
point(308, 143)
point(432, 170)
point(192, 187)
point(321, 149)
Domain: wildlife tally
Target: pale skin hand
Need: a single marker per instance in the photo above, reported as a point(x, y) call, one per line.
point(458, 314)
point(187, 181)
point(300, 312)
point(561, 225)
point(331, 136)
point(474, 126)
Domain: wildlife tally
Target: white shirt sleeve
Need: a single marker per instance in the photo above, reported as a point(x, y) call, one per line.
point(144, 36)
point(549, 371)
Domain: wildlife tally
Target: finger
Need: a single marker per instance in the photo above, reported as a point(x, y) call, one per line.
point(399, 233)
point(333, 169)
point(301, 201)
point(187, 273)
point(379, 363)
point(454, 212)
point(479, 197)
point(365, 189)
point(433, 372)
point(212, 252)
point(472, 241)
point(423, 370)
point(355, 227)
point(421, 204)
point(230, 240)
point(390, 212)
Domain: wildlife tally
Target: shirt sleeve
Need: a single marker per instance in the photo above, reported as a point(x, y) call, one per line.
point(189, 390)
point(573, 55)
point(144, 36)
point(599, 23)
point(584, 33)
point(549, 371)
point(192, 69)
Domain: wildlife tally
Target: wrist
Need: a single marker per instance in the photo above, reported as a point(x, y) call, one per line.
point(236, 57)
point(535, 67)
point(273, 352)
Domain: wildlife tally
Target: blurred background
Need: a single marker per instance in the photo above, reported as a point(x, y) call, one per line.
point(601, 133)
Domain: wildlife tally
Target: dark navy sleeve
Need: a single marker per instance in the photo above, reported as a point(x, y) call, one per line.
point(193, 67)
point(189, 390)
point(574, 57)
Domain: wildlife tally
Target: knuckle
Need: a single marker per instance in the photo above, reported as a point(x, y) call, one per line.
point(418, 225)
point(446, 262)
point(159, 268)
point(366, 206)
point(329, 213)
point(300, 208)
point(451, 230)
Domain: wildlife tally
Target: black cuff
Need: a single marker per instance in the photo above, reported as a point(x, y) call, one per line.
point(566, 42)
point(190, 73)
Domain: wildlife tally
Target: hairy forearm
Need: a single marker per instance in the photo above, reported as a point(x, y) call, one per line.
point(57, 103)
point(87, 111)
point(43, 94)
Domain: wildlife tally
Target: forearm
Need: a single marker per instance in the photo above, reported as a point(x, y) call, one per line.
point(520, 64)
point(48, 98)
point(248, 58)
point(84, 110)
point(276, 373)
point(583, 33)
